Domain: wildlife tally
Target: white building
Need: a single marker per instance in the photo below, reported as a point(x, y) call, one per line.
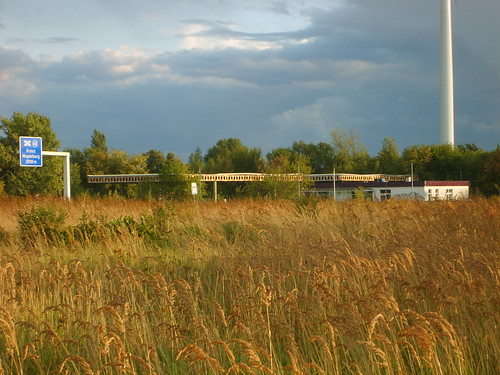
point(384, 190)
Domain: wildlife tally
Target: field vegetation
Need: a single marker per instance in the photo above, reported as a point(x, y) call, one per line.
point(114, 286)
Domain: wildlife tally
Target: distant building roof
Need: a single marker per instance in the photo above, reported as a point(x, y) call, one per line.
point(447, 183)
point(380, 184)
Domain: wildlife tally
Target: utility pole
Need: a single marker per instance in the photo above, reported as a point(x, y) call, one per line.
point(334, 189)
point(412, 194)
point(298, 180)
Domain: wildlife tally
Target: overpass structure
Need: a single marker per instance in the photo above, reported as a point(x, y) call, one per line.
point(242, 177)
point(246, 177)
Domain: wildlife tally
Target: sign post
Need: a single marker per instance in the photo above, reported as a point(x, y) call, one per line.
point(66, 171)
point(31, 155)
point(30, 151)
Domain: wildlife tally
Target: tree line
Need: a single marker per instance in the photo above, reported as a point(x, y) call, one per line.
point(344, 152)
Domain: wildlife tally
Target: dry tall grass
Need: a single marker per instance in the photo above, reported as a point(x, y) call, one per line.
point(253, 288)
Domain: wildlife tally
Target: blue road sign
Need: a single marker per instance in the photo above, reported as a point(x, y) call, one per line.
point(30, 151)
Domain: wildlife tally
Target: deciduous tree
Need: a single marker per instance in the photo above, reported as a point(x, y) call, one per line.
point(388, 159)
point(155, 161)
point(174, 179)
point(19, 180)
point(320, 156)
point(195, 161)
point(351, 156)
point(230, 155)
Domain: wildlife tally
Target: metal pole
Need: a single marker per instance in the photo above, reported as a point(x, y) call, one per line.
point(412, 196)
point(447, 100)
point(298, 180)
point(334, 189)
point(67, 178)
point(66, 171)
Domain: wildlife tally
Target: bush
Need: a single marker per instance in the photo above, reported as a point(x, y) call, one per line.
point(307, 205)
point(41, 225)
point(4, 236)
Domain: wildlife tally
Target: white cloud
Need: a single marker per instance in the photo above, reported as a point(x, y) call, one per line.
point(15, 71)
point(198, 42)
point(204, 35)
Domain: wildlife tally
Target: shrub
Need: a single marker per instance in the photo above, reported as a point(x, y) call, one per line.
point(4, 236)
point(41, 225)
point(307, 205)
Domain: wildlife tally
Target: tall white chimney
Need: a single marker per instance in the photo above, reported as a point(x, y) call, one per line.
point(447, 110)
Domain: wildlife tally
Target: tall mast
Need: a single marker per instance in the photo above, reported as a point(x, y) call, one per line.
point(447, 109)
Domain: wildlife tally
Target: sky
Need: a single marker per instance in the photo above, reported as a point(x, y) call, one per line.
point(178, 75)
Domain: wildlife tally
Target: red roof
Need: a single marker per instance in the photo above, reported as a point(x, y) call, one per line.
point(388, 184)
point(447, 183)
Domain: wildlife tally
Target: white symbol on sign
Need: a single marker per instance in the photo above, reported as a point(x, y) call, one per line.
point(27, 143)
point(35, 143)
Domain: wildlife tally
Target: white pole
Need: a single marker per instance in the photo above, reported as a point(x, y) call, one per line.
point(66, 171)
point(412, 194)
point(298, 181)
point(447, 110)
point(67, 177)
point(334, 190)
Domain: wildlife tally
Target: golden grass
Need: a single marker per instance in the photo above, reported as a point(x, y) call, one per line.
point(255, 288)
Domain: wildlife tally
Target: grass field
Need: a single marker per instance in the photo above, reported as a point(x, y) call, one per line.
point(110, 286)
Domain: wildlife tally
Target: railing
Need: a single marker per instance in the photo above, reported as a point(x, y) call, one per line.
point(122, 178)
point(221, 177)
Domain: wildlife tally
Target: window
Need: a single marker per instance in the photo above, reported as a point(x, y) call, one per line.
point(385, 194)
point(449, 194)
point(429, 194)
point(369, 195)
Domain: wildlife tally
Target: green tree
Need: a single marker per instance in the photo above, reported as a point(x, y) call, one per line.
point(420, 156)
point(445, 162)
point(98, 141)
point(388, 159)
point(96, 161)
point(19, 180)
point(155, 161)
point(281, 163)
point(119, 162)
point(351, 156)
point(231, 156)
point(280, 153)
point(490, 178)
point(174, 179)
point(195, 161)
point(471, 161)
point(320, 156)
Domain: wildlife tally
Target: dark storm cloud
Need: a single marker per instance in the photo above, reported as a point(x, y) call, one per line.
point(279, 7)
point(370, 66)
point(14, 58)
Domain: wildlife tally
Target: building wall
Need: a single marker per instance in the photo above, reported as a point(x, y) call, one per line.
point(403, 192)
point(380, 191)
point(446, 192)
point(428, 193)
